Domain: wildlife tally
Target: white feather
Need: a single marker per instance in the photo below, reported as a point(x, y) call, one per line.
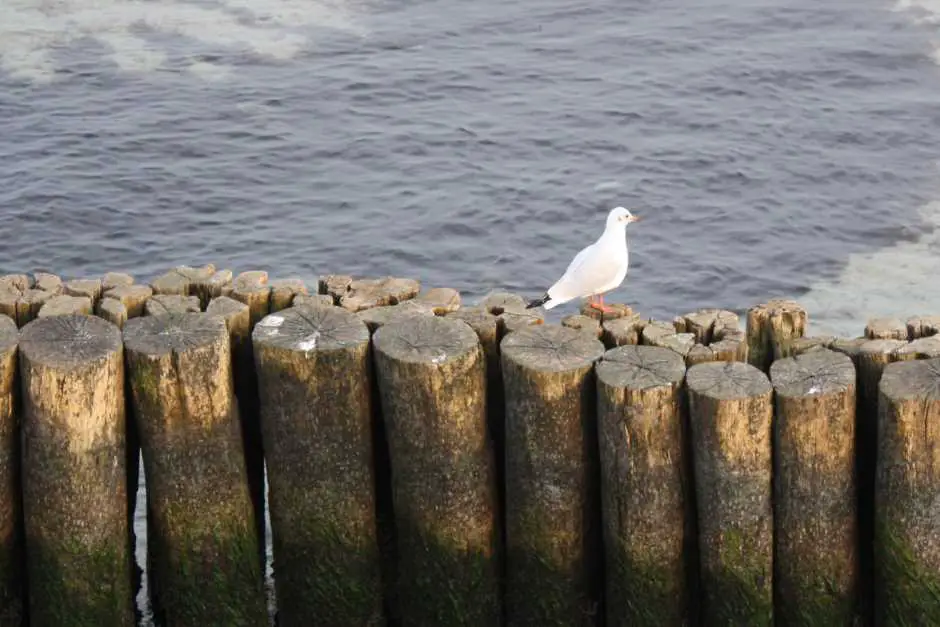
point(598, 268)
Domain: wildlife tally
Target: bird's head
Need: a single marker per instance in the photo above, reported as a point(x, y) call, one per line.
point(620, 216)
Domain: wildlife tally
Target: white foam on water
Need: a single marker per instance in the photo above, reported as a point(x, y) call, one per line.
point(900, 281)
point(926, 13)
point(32, 30)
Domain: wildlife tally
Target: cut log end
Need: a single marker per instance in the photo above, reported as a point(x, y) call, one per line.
point(311, 329)
point(134, 297)
point(552, 348)
point(442, 300)
point(69, 340)
point(175, 332)
point(312, 300)
point(425, 340)
point(641, 367)
point(166, 304)
point(65, 305)
point(368, 293)
point(113, 311)
point(911, 380)
point(727, 380)
point(817, 373)
point(113, 279)
point(377, 317)
point(88, 288)
point(580, 322)
point(283, 292)
point(886, 329)
point(499, 302)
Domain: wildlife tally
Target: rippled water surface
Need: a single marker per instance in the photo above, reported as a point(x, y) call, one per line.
point(773, 148)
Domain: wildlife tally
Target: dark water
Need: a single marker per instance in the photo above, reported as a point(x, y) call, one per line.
point(783, 148)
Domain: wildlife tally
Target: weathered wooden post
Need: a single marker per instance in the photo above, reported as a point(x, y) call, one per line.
point(202, 520)
point(870, 358)
point(730, 412)
point(314, 377)
point(772, 328)
point(431, 382)
point(74, 475)
point(553, 532)
point(12, 570)
point(645, 486)
point(815, 515)
point(237, 316)
point(907, 491)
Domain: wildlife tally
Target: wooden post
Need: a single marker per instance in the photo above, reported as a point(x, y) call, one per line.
point(645, 486)
point(207, 564)
point(252, 289)
point(923, 326)
point(66, 305)
point(237, 317)
point(871, 357)
point(886, 329)
point(431, 382)
point(314, 376)
point(815, 517)
point(74, 475)
point(552, 477)
point(907, 491)
point(730, 411)
point(12, 570)
point(164, 304)
point(133, 297)
point(283, 292)
point(771, 329)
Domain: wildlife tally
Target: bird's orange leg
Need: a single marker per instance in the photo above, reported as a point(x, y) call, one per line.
point(600, 306)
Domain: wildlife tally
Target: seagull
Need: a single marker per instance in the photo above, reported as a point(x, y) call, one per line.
point(597, 269)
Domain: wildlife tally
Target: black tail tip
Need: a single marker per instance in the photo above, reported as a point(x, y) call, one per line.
point(539, 301)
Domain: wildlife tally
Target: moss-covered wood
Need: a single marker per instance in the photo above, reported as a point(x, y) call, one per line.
point(730, 413)
point(772, 327)
point(207, 564)
point(431, 380)
point(817, 582)
point(645, 487)
point(907, 491)
point(12, 568)
point(237, 316)
point(553, 532)
point(314, 375)
point(74, 475)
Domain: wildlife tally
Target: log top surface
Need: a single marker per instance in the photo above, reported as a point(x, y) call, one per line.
point(69, 340)
point(8, 333)
point(641, 367)
point(727, 380)
point(821, 371)
point(552, 348)
point(426, 340)
point(311, 328)
point(911, 380)
point(173, 332)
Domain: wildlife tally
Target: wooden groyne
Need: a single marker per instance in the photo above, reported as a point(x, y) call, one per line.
point(430, 463)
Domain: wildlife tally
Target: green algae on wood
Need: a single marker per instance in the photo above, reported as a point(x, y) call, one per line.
point(431, 382)
point(208, 566)
point(314, 375)
point(644, 486)
point(907, 490)
point(553, 535)
point(74, 475)
point(817, 582)
point(730, 414)
point(12, 568)
point(237, 316)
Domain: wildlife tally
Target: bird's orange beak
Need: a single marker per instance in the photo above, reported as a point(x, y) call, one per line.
point(636, 218)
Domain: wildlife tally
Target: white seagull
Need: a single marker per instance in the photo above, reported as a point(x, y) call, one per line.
point(597, 269)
